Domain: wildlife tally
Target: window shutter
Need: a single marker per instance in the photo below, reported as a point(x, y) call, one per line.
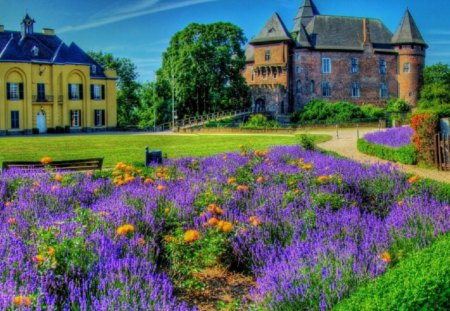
point(103, 117)
point(20, 90)
point(79, 118)
point(8, 90)
point(69, 93)
point(80, 89)
point(103, 93)
point(92, 91)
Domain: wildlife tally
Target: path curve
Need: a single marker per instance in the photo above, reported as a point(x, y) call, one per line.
point(345, 145)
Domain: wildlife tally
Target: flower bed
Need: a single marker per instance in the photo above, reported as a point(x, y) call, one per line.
point(394, 144)
point(309, 227)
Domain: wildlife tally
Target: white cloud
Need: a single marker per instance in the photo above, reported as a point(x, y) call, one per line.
point(127, 12)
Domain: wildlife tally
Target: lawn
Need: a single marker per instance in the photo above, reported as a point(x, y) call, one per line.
point(129, 148)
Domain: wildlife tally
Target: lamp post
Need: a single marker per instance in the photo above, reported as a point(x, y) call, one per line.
point(154, 102)
point(172, 80)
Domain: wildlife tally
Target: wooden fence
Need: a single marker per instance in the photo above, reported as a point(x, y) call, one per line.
point(442, 154)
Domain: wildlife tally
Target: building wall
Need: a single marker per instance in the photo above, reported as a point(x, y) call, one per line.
point(57, 104)
point(410, 82)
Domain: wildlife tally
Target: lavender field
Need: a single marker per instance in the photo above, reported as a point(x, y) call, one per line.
point(393, 137)
point(309, 228)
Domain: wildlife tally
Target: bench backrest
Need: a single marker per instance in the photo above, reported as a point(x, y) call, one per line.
point(70, 165)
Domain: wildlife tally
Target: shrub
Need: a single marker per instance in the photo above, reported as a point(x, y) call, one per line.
point(425, 126)
point(397, 105)
point(372, 112)
point(419, 282)
point(35, 131)
point(405, 154)
point(259, 121)
point(307, 142)
point(51, 130)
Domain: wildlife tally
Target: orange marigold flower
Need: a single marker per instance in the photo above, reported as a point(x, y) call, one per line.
point(46, 160)
point(211, 207)
point(116, 173)
point(8, 204)
point(307, 167)
point(22, 301)
point(140, 241)
point(231, 180)
point(413, 179)
point(125, 229)
point(323, 179)
point(242, 188)
point(38, 259)
point(58, 177)
point(224, 157)
point(254, 221)
point(169, 238)
point(36, 184)
point(260, 179)
point(167, 210)
point(103, 213)
point(12, 221)
point(400, 203)
point(160, 188)
point(213, 221)
point(225, 226)
point(386, 257)
point(191, 235)
point(51, 251)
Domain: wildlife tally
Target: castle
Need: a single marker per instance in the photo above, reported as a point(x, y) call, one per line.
point(333, 58)
point(47, 84)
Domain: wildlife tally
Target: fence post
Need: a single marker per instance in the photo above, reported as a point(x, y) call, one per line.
point(337, 131)
point(357, 131)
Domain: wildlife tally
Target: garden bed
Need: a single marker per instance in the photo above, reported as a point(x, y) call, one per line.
point(298, 229)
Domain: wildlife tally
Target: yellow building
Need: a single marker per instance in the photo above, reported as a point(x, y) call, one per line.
point(47, 85)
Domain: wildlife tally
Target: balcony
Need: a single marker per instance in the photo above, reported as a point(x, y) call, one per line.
point(42, 98)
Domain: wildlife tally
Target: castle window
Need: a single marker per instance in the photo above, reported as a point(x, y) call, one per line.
point(312, 87)
point(40, 92)
point(355, 65)
point(355, 90)
point(75, 91)
point(35, 51)
point(406, 67)
point(15, 119)
point(326, 65)
point(383, 90)
point(99, 117)
point(97, 92)
point(298, 69)
point(267, 55)
point(93, 69)
point(75, 117)
point(298, 56)
point(15, 91)
point(326, 89)
point(298, 87)
point(383, 68)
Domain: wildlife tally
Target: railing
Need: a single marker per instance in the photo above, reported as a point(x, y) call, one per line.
point(442, 154)
point(42, 98)
point(188, 122)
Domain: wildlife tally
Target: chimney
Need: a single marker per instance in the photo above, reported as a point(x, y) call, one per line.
point(48, 31)
point(2, 28)
point(366, 31)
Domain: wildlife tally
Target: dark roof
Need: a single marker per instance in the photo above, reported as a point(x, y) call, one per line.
point(302, 39)
point(51, 50)
point(306, 12)
point(250, 53)
point(273, 31)
point(408, 32)
point(346, 33)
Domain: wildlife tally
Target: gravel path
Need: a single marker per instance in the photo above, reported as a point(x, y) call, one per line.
point(345, 145)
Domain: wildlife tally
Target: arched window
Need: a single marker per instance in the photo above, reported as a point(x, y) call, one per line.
point(298, 87)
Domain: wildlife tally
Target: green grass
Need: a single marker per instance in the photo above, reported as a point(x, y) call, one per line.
point(129, 148)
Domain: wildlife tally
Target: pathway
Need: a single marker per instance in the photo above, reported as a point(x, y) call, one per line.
point(345, 145)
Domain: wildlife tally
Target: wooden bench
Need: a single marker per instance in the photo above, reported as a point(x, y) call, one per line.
point(67, 165)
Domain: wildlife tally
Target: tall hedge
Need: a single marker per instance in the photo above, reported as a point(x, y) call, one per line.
point(405, 154)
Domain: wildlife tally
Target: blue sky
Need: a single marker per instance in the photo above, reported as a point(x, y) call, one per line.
point(141, 29)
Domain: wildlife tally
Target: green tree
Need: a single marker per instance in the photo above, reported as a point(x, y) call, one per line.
point(202, 68)
point(128, 103)
point(151, 106)
point(436, 89)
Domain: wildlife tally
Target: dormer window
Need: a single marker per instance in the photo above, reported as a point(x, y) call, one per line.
point(271, 30)
point(93, 69)
point(35, 51)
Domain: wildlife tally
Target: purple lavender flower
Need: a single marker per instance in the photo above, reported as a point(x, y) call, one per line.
point(393, 137)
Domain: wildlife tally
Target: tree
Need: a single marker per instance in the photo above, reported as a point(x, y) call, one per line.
point(436, 89)
point(128, 103)
point(202, 69)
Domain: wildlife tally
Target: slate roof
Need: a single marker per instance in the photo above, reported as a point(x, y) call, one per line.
point(52, 50)
point(346, 33)
point(408, 32)
point(306, 12)
point(250, 53)
point(273, 31)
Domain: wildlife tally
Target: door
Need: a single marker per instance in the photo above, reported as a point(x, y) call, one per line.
point(41, 122)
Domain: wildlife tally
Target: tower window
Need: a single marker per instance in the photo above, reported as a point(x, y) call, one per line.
point(406, 67)
point(383, 68)
point(298, 56)
point(355, 90)
point(298, 69)
point(312, 87)
point(355, 65)
point(326, 65)
point(383, 90)
point(326, 89)
point(298, 87)
point(267, 55)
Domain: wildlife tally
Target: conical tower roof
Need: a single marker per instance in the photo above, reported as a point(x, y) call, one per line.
point(303, 38)
point(304, 15)
point(408, 32)
point(273, 31)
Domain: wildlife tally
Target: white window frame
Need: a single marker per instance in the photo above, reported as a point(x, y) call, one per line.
point(383, 66)
point(75, 118)
point(267, 55)
point(74, 91)
point(356, 93)
point(326, 89)
point(406, 68)
point(97, 90)
point(326, 65)
point(98, 116)
point(354, 65)
point(384, 91)
point(14, 91)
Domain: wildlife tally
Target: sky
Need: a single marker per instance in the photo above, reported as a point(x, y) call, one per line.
point(141, 29)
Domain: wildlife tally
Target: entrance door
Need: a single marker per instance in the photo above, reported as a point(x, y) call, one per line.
point(260, 105)
point(41, 122)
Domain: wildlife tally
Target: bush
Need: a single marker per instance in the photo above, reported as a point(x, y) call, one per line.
point(307, 142)
point(425, 126)
point(419, 282)
point(372, 112)
point(406, 154)
point(397, 105)
point(226, 122)
point(51, 130)
point(259, 121)
point(35, 130)
point(59, 129)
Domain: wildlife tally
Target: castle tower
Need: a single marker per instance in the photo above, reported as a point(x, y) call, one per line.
point(27, 26)
point(410, 46)
point(305, 14)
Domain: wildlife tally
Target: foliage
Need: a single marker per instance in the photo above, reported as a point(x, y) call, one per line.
point(425, 126)
point(405, 154)
point(202, 66)
point(320, 111)
point(436, 89)
point(226, 122)
point(397, 105)
point(307, 142)
point(260, 121)
point(127, 96)
point(420, 282)
point(372, 112)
